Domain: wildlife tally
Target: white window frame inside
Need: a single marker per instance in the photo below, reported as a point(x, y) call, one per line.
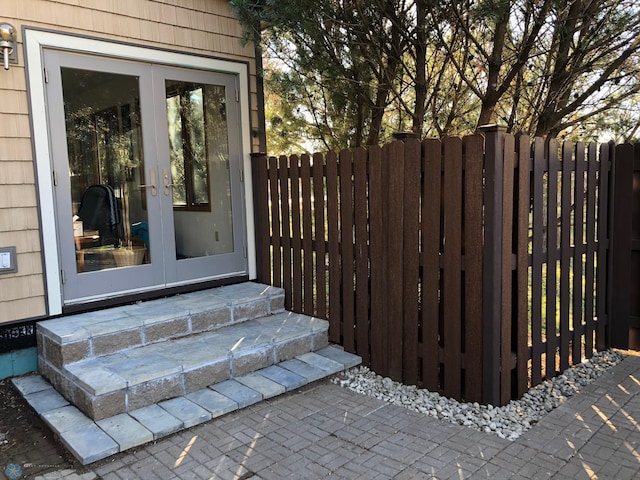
point(35, 42)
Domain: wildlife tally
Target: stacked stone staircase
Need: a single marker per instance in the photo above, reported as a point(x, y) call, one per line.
point(117, 378)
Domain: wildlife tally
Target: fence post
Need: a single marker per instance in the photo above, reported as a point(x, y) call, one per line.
point(492, 264)
point(620, 246)
point(261, 216)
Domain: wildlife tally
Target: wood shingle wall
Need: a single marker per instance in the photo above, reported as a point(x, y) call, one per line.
point(204, 27)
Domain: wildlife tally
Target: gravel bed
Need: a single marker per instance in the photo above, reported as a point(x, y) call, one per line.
point(509, 421)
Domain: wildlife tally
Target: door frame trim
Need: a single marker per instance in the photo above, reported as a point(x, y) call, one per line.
point(35, 41)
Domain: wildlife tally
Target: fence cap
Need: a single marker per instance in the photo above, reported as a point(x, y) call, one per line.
point(493, 127)
point(405, 135)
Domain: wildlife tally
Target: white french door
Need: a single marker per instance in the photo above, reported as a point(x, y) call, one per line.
point(147, 172)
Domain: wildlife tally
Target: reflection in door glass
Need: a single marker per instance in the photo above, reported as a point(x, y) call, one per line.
point(106, 168)
point(200, 178)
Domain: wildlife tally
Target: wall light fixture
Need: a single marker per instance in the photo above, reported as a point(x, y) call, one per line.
point(8, 43)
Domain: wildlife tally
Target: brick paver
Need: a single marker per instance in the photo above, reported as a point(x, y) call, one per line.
point(327, 431)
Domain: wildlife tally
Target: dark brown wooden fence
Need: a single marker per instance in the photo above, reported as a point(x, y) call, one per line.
point(475, 267)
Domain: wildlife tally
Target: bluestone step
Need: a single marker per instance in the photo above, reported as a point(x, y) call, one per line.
point(310, 372)
point(188, 412)
point(93, 334)
point(88, 443)
point(284, 377)
point(125, 430)
point(131, 379)
point(213, 401)
point(267, 388)
point(157, 420)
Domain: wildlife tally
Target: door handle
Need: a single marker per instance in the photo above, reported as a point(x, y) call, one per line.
point(167, 182)
point(152, 185)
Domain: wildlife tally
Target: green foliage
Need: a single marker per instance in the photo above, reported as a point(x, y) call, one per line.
point(490, 11)
point(287, 129)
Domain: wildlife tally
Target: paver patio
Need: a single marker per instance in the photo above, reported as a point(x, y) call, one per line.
point(327, 431)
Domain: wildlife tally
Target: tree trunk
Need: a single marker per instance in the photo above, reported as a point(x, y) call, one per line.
point(420, 44)
point(491, 96)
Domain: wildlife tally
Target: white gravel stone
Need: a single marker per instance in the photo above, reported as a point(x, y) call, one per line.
point(509, 421)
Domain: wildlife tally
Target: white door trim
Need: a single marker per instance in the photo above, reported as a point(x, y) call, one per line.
point(35, 42)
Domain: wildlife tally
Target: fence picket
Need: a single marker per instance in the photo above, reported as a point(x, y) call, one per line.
point(552, 258)
point(507, 269)
point(378, 337)
point(276, 261)
point(361, 252)
point(522, 264)
point(411, 258)
point(335, 307)
point(578, 248)
point(346, 249)
point(394, 262)
point(283, 173)
point(592, 157)
point(603, 240)
point(307, 229)
point(320, 271)
point(296, 232)
point(431, 239)
point(565, 254)
point(472, 235)
point(537, 259)
point(452, 265)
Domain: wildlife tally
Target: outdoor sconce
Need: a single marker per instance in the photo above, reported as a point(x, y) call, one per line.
point(8, 43)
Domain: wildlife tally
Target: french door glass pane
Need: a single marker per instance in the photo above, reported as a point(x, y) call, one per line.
point(106, 168)
point(200, 177)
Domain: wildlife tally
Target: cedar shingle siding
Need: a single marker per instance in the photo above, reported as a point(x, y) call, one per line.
point(192, 26)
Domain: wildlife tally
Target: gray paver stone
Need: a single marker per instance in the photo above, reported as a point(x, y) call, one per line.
point(186, 411)
point(140, 368)
point(63, 330)
point(30, 384)
point(46, 400)
point(115, 342)
point(210, 317)
point(268, 388)
point(347, 359)
point(125, 430)
point(170, 329)
point(114, 325)
point(160, 311)
point(241, 394)
point(205, 375)
point(96, 379)
point(292, 347)
point(247, 361)
point(321, 362)
point(306, 370)
point(154, 391)
point(319, 340)
point(215, 402)
point(61, 354)
point(251, 309)
point(157, 420)
point(89, 444)
point(286, 378)
point(65, 418)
